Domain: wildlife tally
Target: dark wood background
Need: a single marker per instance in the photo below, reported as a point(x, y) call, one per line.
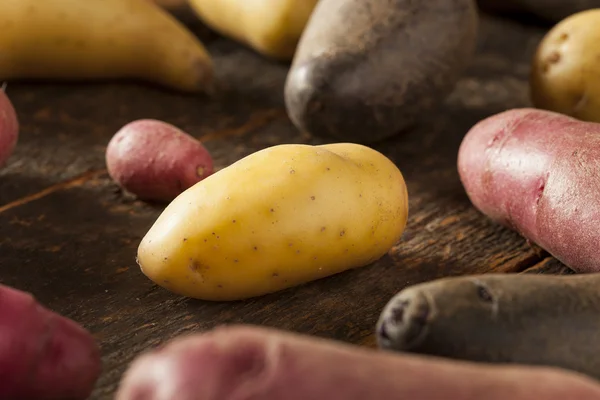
point(69, 236)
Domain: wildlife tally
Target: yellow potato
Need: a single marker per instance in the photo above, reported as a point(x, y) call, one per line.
point(100, 39)
point(565, 75)
point(272, 28)
point(277, 218)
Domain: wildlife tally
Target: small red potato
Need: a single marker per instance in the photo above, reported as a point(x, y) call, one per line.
point(156, 161)
point(538, 172)
point(260, 363)
point(43, 355)
point(9, 128)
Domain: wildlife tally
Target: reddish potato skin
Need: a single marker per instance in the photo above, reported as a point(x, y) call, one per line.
point(245, 363)
point(538, 172)
point(156, 161)
point(9, 128)
point(43, 355)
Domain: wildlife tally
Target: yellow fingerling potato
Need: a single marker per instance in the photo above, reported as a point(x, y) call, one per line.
point(271, 28)
point(280, 217)
point(565, 74)
point(84, 40)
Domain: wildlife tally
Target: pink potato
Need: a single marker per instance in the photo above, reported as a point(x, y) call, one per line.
point(156, 161)
point(538, 172)
point(248, 363)
point(9, 128)
point(43, 355)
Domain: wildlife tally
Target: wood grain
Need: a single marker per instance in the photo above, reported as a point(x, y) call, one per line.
point(68, 235)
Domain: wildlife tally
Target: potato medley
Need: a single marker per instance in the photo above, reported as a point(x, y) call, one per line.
point(277, 218)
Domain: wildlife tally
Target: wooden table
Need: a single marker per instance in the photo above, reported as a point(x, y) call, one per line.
point(69, 236)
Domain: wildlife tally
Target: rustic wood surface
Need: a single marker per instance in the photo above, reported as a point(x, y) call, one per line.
point(70, 237)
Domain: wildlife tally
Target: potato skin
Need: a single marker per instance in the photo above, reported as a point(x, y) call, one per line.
point(271, 28)
point(526, 319)
point(538, 172)
point(550, 10)
point(241, 362)
point(282, 216)
point(364, 70)
point(155, 160)
point(72, 40)
point(9, 128)
point(43, 355)
point(564, 74)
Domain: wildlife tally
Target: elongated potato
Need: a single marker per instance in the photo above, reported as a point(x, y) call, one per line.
point(72, 40)
point(280, 217)
point(258, 363)
point(538, 172)
point(272, 28)
point(565, 71)
point(366, 70)
point(503, 318)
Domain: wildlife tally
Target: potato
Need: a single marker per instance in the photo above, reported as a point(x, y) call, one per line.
point(502, 318)
point(74, 40)
point(272, 28)
point(282, 216)
point(538, 172)
point(550, 10)
point(366, 70)
point(241, 362)
point(155, 160)
point(43, 355)
point(565, 75)
point(9, 128)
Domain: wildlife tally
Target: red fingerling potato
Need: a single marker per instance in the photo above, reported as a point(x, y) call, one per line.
point(9, 128)
point(156, 161)
point(43, 355)
point(538, 172)
point(260, 363)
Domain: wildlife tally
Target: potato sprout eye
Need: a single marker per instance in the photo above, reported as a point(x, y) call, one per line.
point(484, 294)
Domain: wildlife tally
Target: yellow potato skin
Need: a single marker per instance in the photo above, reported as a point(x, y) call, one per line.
point(271, 28)
point(565, 75)
point(277, 218)
point(100, 39)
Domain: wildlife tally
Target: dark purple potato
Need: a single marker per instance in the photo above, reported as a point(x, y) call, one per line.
point(543, 320)
point(365, 70)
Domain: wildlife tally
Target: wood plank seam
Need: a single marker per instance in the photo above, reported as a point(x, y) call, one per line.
point(71, 183)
